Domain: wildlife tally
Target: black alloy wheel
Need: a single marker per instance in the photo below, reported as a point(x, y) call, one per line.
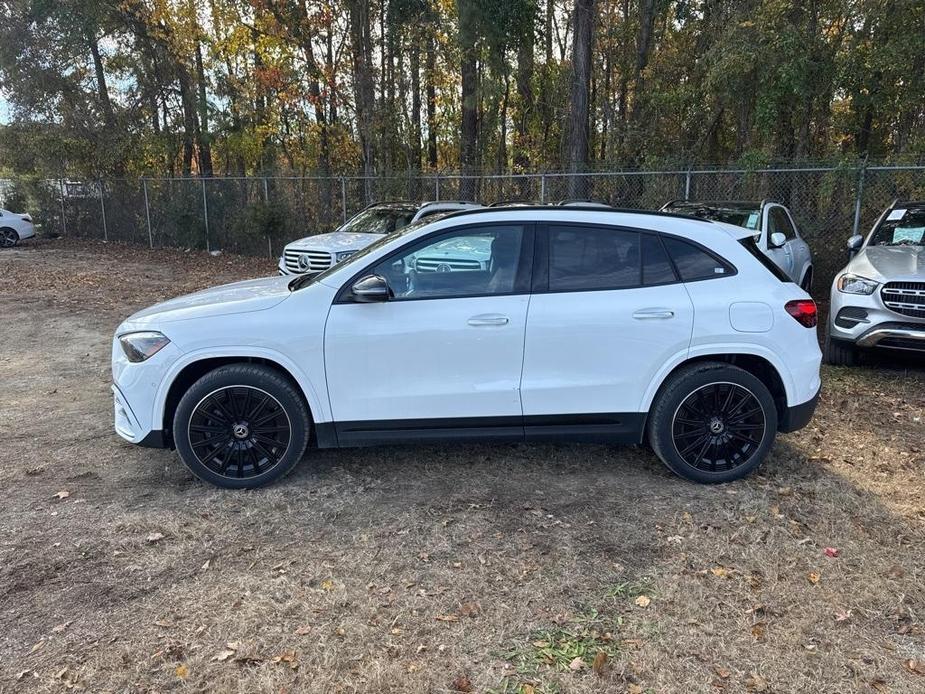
point(239, 431)
point(242, 426)
point(718, 427)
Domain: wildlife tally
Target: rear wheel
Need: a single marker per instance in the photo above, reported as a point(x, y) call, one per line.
point(713, 422)
point(241, 426)
point(8, 237)
point(839, 352)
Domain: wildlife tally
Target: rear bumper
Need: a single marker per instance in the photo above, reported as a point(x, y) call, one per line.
point(798, 416)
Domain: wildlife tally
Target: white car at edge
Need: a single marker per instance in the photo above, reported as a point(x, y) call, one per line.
point(582, 324)
point(14, 228)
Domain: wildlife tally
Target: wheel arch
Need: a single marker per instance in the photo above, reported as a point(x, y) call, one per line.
point(189, 370)
point(760, 366)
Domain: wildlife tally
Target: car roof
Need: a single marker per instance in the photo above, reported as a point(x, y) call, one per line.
point(909, 203)
point(668, 222)
point(728, 204)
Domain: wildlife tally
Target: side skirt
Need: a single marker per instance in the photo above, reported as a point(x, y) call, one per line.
point(616, 428)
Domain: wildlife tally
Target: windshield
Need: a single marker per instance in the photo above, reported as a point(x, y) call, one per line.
point(745, 217)
point(305, 280)
point(900, 228)
point(379, 220)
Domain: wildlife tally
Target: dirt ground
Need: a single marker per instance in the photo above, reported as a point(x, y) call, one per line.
point(483, 568)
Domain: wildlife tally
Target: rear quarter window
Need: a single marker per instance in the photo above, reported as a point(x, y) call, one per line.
point(694, 263)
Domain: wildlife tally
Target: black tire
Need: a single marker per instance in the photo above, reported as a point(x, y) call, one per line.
point(839, 352)
point(732, 434)
point(8, 237)
point(241, 426)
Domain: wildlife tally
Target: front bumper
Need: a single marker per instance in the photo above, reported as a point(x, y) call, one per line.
point(866, 322)
point(798, 416)
point(905, 336)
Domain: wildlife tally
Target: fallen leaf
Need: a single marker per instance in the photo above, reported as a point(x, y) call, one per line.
point(327, 584)
point(842, 615)
point(915, 666)
point(541, 644)
point(643, 601)
point(634, 689)
point(576, 664)
point(447, 618)
point(206, 564)
point(469, 609)
point(721, 671)
point(63, 494)
point(289, 658)
point(830, 552)
point(37, 646)
point(303, 630)
point(61, 627)
point(155, 537)
point(720, 571)
point(600, 662)
point(527, 689)
point(759, 630)
point(223, 656)
point(182, 671)
point(462, 684)
point(61, 673)
point(163, 624)
point(813, 577)
point(756, 683)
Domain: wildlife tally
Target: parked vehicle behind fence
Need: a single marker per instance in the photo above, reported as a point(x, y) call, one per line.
point(878, 299)
point(577, 323)
point(319, 252)
point(14, 228)
point(774, 228)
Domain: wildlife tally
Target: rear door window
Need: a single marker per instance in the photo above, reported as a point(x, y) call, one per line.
point(587, 258)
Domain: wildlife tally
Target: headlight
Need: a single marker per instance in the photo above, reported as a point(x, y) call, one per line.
point(853, 284)
point(142, 345)
point(342, 255)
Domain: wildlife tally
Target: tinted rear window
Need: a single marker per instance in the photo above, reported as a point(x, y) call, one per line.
point(752, 248)
point(583, 258)
point(694, 263)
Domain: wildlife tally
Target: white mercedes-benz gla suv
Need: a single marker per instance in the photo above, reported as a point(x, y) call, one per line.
point(582, 324)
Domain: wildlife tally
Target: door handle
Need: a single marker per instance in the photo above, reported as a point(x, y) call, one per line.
point(488, 319)
point(650, 313)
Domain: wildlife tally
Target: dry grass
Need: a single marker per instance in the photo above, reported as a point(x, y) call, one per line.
point(487, 568)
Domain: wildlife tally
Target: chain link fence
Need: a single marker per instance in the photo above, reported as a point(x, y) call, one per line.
point(259, 215)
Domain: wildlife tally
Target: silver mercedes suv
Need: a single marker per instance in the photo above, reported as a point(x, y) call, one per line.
point(878, 299)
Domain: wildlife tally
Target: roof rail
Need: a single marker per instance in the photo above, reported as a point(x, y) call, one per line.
point(522, 203)
point(548, 208)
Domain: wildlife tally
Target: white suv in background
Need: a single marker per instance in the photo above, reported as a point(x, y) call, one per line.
point(319, 252)
point(14, 228)
point(774, 230)
point(581, 324)
point(878, 299)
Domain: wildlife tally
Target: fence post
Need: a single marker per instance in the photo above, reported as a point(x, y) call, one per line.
point(144, 185)
point(63, 212)
point(437, 186)
point(343, 198)
point(858, 199)
point(687, 186)
point(266, 199)
point(205, 212)
point(103, 210)
point(543, 189)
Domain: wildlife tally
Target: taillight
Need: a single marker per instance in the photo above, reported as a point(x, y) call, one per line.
point(803, 310)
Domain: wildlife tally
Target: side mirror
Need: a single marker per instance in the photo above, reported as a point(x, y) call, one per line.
point(777, 240)
point(854, 245)
point(370, 289)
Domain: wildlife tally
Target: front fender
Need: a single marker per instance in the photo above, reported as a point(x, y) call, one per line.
point(318, 405)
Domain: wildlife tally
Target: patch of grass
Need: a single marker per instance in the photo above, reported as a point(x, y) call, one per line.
point(630, 590)
point(557, 648)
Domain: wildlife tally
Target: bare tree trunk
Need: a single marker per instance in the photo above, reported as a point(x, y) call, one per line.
point(102, 89)
point(205, 140)
point(576, 144)
point(430, 69)
point(364, 86)
point(468, 147)
point(525, 96)
point(415, 60)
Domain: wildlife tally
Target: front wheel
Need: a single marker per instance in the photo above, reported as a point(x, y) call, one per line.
point(713, 422)
point(241, 426)
point(8, 237)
